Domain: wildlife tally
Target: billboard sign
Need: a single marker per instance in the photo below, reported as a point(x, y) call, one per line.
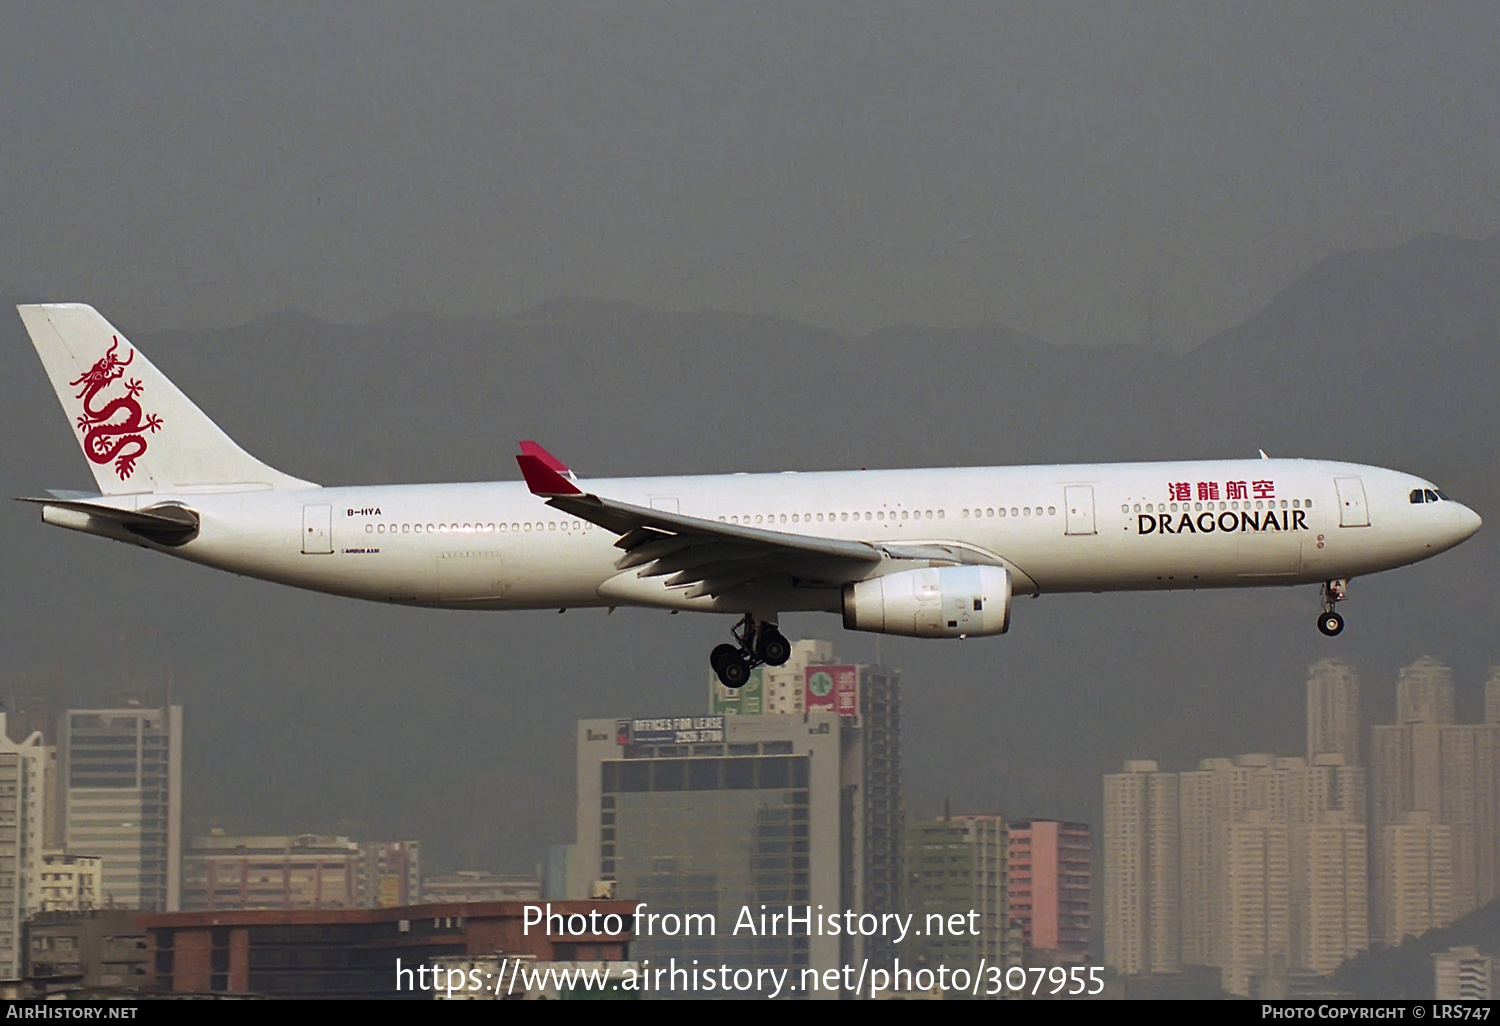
point(832, 688)
point(749, 700)
point(675, 730)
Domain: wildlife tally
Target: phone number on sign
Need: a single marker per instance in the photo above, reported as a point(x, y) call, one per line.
point(993, 980)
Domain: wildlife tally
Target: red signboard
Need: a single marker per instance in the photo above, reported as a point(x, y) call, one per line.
point(834, 688)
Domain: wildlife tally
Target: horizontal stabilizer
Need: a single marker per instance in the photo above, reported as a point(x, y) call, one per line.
point(167, 523)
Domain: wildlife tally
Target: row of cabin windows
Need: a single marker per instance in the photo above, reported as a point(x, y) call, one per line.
point(881, 515)
point(1161, 507)
point(808, 518)
point(538, 525)
point(1023, 511)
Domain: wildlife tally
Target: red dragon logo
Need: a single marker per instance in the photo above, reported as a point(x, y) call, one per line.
point(105, 437)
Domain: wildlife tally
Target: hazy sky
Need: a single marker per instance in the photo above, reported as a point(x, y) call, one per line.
point(1063, 168)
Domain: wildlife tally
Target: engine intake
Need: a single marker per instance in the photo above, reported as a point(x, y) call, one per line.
point(938, 602)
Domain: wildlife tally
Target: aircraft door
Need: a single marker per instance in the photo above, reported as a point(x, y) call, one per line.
point(1078, 504)
point(317, 530)
point(1352, 509)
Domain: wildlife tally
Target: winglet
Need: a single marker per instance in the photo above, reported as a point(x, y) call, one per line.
point(549, 461)
point(544, 472)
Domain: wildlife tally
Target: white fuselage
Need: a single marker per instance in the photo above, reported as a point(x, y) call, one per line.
point(1074, 528)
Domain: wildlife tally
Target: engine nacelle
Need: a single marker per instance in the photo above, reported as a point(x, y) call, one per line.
point(938, 602)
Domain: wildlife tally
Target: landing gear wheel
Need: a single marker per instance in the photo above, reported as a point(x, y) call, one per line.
point(772, 648)
point(731, 665)
point(1334, 592)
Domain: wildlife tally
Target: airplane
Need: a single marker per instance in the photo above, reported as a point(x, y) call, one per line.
point(928, 553)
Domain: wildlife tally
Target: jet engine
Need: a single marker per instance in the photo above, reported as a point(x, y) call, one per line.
point(937, 602)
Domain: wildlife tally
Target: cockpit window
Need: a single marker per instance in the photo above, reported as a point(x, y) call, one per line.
point(1432, 496)
point(1443, 495)
point(1417, 496)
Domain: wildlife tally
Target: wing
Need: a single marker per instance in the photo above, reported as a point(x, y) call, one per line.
point(710, 558)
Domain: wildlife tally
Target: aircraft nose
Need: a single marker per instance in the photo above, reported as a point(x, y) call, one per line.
point(1468, 521)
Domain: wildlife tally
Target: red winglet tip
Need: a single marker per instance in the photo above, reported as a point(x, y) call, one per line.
point(544, 480)
point(548, 460)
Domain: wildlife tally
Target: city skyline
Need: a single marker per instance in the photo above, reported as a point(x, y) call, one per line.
point(1262, 864)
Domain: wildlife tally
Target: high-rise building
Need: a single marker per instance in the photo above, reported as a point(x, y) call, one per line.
point(867, 699)
point(222, 871)
point(870, 745)
point(1290, 791)
point(1427, 763)
point(1049, 875)
point(122, 800)
point(1270, 851)
point(711, 815)
point(956, 865)
point(1333, 711)
point(1463, 974)
point(1142, 876)
point(22, 794)
point(1329, 892)
point(1417, 877)
point(1212, 796)
point(1256, 899)
point(1424, 692)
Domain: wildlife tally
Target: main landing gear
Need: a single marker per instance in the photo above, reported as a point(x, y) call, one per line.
point(756, 642)
point(1329, 622)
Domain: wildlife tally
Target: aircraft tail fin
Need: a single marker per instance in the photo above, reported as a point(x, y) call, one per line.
point(137, 429)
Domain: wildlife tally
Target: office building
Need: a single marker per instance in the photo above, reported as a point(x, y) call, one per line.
point(957, 865)
point(802, 810)
point(713, 814)
point(122, 800)
point(22, 795)
point(1049, 872)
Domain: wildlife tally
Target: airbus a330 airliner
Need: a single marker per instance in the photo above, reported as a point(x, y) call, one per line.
point(932, 553)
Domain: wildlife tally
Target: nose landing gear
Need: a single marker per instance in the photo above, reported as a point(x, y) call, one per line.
point(1329, 622)
point(757, 642)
